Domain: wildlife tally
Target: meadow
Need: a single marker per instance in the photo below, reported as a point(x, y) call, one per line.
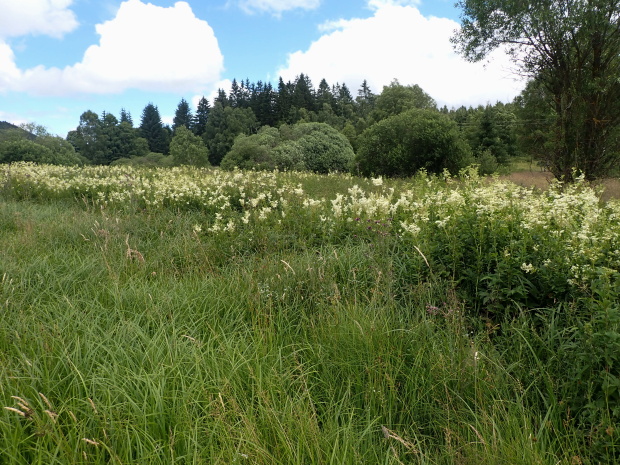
point(185, 315)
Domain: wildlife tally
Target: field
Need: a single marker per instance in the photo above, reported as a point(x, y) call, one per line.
point(160, 316)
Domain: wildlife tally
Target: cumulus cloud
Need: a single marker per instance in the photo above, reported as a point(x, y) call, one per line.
point(9, 73)
point(144, 47)
point(397, 41)
point(277, 7)
point(37, 17)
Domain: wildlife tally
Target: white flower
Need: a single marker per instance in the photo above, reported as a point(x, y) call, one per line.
point(528, 267)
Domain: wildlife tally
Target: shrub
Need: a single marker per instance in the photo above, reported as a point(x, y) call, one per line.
point(188, 149)
point(253, 152)
point(313, 146)
point(406, 143)
point(324, 149)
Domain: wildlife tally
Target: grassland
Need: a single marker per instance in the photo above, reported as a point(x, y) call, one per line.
point(194, 316)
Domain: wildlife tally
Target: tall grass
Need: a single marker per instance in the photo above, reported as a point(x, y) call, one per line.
point(140, 334)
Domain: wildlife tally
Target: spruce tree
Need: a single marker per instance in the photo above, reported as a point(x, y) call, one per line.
point(201, 116)
point(126, 117)
point(182, 116)
point(152, 129)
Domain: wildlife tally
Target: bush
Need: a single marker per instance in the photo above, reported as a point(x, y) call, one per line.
point(324, 149)
point(253, 152)
point(313, 146)
point(415, 140)
point(152, 159)
point(188, 149)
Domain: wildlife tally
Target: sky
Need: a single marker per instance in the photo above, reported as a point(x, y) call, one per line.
point(60, 58)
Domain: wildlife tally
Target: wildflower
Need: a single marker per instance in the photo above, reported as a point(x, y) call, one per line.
point(528, 267)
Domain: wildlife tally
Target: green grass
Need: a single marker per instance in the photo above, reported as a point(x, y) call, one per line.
point(127, 337)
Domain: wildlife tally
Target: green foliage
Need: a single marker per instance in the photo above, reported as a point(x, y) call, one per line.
point(152, 129)
point(324, 149)
point(225, 123)
point(304, 319)
point(44, 148)
point(151, 159)
point(188, 149)
point(313, 146)
point(415, 140)
point(397, 98)
point(572, 50)
point(494, 131)
point(487, 163)
point(254, 151)
point(182, 116)
point(24, 150)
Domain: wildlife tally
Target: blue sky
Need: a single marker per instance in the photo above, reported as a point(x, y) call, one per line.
point(59, 58)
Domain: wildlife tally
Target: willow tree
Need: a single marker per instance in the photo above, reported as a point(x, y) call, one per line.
point(572, 48)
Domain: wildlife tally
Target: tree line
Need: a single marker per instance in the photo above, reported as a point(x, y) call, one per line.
point(292, 126)
point(567, 118)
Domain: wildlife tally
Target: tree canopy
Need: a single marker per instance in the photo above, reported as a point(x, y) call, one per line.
point(570, 47)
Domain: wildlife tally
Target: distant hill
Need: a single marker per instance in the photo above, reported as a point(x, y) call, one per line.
point(7, 129)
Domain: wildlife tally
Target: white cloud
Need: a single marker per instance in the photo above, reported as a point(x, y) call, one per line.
point(144, 47)
point(276, 7)
point(9, 73)
point(44, 17)
point(399, 42)
point(377, 4)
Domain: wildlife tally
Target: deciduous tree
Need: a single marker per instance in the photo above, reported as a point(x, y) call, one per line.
point(572, 48)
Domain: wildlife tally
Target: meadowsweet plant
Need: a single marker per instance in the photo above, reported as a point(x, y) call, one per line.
point(377, 319)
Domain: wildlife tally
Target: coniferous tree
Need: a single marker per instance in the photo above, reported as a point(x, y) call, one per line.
point(365, 100)
point(221, 98)
point(303, 94)
point(344, 102)
point(284, 101)
point(201, 116)
point(152, 129)
point(125, 117)
point(324, 96)
point(182, 116)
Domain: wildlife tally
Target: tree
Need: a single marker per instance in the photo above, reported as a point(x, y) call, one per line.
point(223, 126)
point(21, 144)
point(303, 93)
point(188, 149)
point(253, 151)
point(536, 115)
point(182, 116)
point(365, 100)
point(84, 137)
point(126, 117)
point(314, 146)
point(418, 139)
point(152, 129)
point(570, 47)
point(108, 144)
point(494, 133)
point(396, 99)
point(201, 116)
